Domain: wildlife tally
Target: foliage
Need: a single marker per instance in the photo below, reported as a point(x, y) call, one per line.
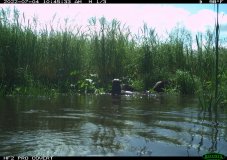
point(185, 82)
point(49, 61)
point(138, 85)
point(206, 94)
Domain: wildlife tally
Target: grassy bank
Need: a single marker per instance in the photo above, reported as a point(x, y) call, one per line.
point(72, 61)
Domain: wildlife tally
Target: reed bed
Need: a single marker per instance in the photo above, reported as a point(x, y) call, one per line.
point(62, 60)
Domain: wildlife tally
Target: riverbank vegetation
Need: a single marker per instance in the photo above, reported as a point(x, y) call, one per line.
point(72, 60)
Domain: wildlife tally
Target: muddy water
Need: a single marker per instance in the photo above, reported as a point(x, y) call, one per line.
point(90, 125)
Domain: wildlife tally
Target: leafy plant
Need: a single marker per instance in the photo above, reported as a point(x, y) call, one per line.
point(185, 82)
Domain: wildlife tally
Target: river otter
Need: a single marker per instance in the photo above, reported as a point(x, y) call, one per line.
point(160, 85)
point(116, 87)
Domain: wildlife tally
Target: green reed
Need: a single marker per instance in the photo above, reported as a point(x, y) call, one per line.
point(62, 59)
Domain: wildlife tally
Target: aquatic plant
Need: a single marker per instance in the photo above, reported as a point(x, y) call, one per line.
point(185, 83)
point(210, 95)
point(57, 60)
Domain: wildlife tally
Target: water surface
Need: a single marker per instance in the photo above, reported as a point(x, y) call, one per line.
point(91, 125)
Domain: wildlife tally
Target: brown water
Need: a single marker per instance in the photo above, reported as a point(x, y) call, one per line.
point(88, 125)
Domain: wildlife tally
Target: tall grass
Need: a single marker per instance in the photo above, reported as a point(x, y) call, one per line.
point(63, 60)
point(209, 94)
point(108, 49)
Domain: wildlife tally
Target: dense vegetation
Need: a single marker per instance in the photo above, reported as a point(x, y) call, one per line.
point(75, 61)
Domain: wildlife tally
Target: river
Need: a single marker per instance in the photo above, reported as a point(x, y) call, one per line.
point(102, 125)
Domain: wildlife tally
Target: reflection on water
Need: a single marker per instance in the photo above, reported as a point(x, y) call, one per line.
point(158, 125)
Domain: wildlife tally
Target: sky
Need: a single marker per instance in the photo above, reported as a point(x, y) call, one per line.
point(163, 17)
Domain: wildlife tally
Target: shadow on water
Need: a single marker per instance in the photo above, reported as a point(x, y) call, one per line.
point(78, 125)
